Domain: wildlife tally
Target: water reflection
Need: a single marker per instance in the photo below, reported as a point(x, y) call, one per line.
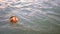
point(36, 15)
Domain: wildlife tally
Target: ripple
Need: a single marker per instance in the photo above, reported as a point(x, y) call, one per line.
point(34, 15)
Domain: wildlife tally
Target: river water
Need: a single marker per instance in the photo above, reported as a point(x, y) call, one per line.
point(34, 16)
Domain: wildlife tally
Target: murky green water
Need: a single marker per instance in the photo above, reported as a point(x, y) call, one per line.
point(34, 16)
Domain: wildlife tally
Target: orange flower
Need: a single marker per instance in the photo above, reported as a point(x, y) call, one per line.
point(13, 19)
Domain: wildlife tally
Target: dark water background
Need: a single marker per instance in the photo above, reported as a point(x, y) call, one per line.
point(34, 16)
